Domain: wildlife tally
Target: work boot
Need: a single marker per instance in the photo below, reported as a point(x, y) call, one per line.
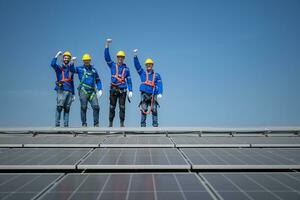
point(66, 125)
point(84, 125)
point(57, 125)
point(96, 125)
point(122, 124)
point(110, 124)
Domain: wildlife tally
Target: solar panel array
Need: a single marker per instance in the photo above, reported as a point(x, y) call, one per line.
point(149, 166)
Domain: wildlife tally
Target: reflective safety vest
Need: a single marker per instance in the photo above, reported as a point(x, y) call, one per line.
point(121, 79)
point(150, 83)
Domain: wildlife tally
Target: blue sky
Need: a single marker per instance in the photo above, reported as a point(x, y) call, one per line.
point(228, 63)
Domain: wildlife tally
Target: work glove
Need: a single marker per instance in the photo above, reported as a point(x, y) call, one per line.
point(58, 54)
point(107, 43)
point(159, 96)
point(73, 59)
point(73, 98)
point(135, 52)
point(130, 94)
point(99, 94)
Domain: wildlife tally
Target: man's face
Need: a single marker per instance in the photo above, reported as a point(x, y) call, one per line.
point(120, 59)
point(87, 62)
point(66, 59)
point(149, 67)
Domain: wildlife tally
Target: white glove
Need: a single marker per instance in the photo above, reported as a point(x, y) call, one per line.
point(99, 94)
point(135, 52)
point(73, 58)
point(108, 40)
point(159, 96)
point(58, 54)
point(130, 94)
point(73, 98)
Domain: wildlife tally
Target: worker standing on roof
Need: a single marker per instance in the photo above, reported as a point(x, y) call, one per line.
point(89, 90)
point(64, 86)
point(120, 80)
point(151, 89)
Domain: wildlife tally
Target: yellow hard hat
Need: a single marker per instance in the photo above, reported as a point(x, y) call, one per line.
point(149, 61)
point(86, 57)
point(121, 54)
point(67, 53)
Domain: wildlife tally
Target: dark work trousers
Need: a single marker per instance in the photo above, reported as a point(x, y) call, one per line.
point(115, 95)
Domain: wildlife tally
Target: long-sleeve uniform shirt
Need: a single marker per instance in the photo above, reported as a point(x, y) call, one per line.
point(88, 77)
point(63, 71)
point(158, 86)
point(115, 67)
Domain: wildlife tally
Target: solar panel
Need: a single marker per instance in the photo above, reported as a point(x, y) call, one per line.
point(24, 186)
point(254, 185)
point(65, 141)
point(196, 141)
point(243, 158)
point(129, 186)
point(138, 141)
point(41, 158)
point(13, 140)
point(135, 158)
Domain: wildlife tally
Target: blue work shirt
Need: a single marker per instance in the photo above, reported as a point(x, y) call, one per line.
point(66, 69)
point(112, 66)
point(91, 80)
point(148, 88)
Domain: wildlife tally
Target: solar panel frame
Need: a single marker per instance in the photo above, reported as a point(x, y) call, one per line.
point(242, 159)
point(203, 142)
point(42, 158)
point(130, 186)
point(143, 159)
point(26, 185)
point(137, 141)
point(258, 185)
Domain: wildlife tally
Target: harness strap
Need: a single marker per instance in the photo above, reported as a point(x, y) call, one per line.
point(151, 105)
point(83, 86)
point(116, 76)
point(90, 95)
point(150, 83)
point(63, 79)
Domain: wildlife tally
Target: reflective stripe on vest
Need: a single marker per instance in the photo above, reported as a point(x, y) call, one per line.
point(116, 76)
point(150, 83)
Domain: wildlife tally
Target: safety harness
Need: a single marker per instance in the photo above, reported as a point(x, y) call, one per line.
point(121, 79)
point(64, 79)
point(88, 90)
point(152, 84)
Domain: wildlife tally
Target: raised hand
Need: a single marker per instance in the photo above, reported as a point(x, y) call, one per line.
point(58, 54)
point(135, 52)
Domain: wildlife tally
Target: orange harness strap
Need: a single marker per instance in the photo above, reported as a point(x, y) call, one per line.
point(69, 79)
point(116, 76)
point(150, 83)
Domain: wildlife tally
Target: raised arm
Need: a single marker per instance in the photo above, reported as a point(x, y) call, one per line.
point(137, 64)
point(54, 64)
point(107, 54)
